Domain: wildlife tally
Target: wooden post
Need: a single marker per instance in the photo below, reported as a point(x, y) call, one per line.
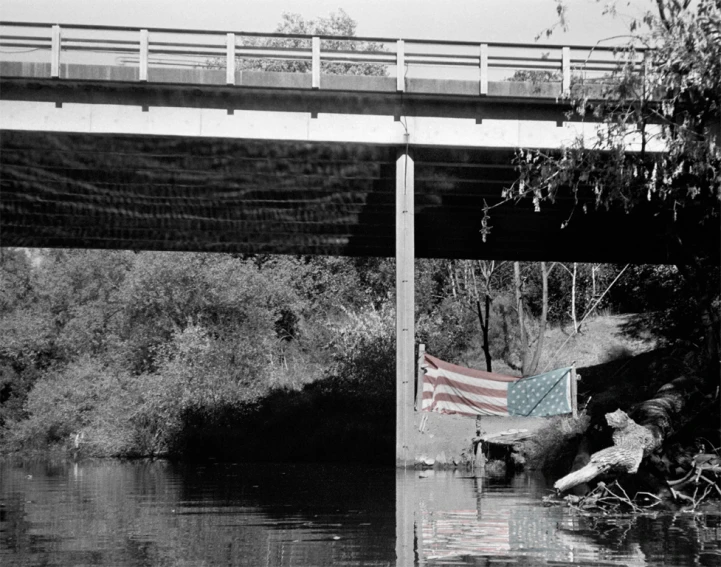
point(405, 302)
point(55, 52)
point(419, 377)
point(315, 62)
point(483, 69)
point(566, 68)
point(143, 71)
point(400, 66)
point(230, 59)
point(574, 392)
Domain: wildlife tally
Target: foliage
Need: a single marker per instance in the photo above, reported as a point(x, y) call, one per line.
point(535, 77)
point(84, 400)
point(667, 305)
point(365, 349)
point(336, 24)
point(674, 105)
point(151, 353)
point(549, 446)
point(169, 292)
point(657, 148)
point(175, 334)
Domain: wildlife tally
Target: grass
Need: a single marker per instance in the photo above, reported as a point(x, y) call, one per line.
point(600, 340)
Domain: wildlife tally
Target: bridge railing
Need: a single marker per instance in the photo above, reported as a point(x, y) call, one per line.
point(143, 51)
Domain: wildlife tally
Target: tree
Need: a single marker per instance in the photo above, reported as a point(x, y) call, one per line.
point(573, 273)
point(673, 101)
point(486, 268)
point(336, 24)
point(529, 361)
point(657, 152)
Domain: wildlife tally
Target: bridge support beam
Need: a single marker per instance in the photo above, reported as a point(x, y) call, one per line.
point(405, 304)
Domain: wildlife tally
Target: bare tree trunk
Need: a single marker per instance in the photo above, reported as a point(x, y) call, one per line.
point(451, 274)
point(465, 277)
point(521, 317)
point(484, 331)
point(487, 269)
point(573, 297)
point(475, 282)
point(541, 324)
point(594, 269)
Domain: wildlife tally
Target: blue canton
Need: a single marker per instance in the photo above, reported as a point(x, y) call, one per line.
point(542, 395)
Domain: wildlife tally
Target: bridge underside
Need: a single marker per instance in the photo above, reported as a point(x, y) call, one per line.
point(225, 195)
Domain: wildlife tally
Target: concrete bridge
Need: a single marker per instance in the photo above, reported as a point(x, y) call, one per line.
point(193, 140)
point(171, 136)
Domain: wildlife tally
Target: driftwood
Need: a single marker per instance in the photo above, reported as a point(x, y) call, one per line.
point(632, 442)
point(510, 437)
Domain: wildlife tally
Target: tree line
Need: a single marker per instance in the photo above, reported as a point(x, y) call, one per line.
point(115, 350)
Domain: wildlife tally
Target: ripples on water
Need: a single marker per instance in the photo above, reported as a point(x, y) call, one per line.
point(158, 513)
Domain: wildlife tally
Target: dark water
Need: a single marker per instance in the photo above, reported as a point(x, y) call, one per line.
point(158, 513)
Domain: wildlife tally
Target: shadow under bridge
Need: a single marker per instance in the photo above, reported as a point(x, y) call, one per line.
point(115, 191)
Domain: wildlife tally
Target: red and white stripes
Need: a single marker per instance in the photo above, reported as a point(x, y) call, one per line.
point(448, 388)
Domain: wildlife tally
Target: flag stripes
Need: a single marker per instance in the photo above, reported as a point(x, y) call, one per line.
point(448, 388)
point(452, 389)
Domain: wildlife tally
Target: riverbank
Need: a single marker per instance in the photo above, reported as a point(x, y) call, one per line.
point(340, 419)
point(606, 361)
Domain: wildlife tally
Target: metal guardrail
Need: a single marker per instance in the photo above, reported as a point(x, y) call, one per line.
point(166, 47)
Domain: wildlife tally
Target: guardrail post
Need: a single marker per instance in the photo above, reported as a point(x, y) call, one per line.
point(143, 76)
point(400, 66)
point(566, 68)
point(55, 52)
point(483, 67)
point(315, 62)
point(230, 60)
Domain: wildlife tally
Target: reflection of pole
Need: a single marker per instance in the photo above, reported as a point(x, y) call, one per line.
point(478, 486)
point(405, 303)
point(407, 522)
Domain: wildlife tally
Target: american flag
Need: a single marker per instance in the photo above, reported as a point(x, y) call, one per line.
point(449, 388)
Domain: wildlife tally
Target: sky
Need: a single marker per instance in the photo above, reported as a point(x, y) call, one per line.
point(463, 20)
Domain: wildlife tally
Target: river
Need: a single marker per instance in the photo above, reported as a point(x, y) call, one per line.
point(150, 513)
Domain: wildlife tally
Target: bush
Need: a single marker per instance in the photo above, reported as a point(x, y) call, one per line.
point(549, 447)
point(197, 373)
point(84, 403)
point(364, 350)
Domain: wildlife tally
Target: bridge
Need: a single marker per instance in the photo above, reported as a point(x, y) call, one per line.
point(194, 121)
point(166, 139)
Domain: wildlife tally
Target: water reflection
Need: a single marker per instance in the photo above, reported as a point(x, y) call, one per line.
point(468, 520)
point(157, 513)
point(113, 513)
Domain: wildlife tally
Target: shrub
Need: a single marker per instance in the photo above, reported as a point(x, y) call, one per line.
point(364, 349)
point(548, 447)
point(84, 401)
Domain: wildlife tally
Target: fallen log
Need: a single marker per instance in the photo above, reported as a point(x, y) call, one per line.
point(633, 441)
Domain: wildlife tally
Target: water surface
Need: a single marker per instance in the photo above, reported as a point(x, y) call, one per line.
point(143, 513)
